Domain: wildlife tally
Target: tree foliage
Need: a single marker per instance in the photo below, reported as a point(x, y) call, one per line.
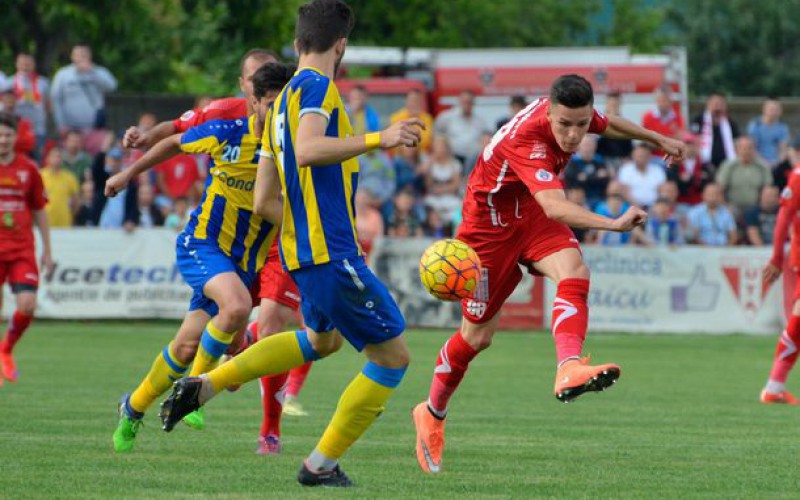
point(194, 46)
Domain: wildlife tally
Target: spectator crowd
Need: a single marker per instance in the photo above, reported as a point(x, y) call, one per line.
point(726, 192)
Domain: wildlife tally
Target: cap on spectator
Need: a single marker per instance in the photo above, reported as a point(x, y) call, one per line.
point(116, 153)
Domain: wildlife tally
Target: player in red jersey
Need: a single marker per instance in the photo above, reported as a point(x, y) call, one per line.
point(516, 214)
point(22, 202)
point(786, 351)
point(280, 300)
point(228, 108)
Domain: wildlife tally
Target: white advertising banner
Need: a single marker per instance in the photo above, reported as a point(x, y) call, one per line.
point(111, 274)
point(681, 290)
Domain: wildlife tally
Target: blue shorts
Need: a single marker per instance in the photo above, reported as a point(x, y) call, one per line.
point(198, 262)
point(346, 296)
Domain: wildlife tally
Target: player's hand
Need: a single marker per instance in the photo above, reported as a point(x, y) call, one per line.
point(134, 138)
point(117, 183)
point(675, 150)
point(403, 133)
point(770, 273)
point(632, 218)
point(47, 264)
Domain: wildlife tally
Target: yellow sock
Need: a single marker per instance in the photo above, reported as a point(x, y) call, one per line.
point(359, 406)
point(213, 345)
point(165, 370)
point(270, 356)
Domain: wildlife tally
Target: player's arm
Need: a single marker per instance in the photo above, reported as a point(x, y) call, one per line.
point(620, 128)
point(43, 223)
point(136, 139)
point(314, 148)
point(557, 207)
point(162, 151)
point(266, 199)
point(789, 207)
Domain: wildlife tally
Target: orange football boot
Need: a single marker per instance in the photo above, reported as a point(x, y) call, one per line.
point(430, 438)
point(577, 376)
point(782, 397)
point(9, 367)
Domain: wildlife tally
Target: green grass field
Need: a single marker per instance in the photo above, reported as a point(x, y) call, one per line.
point(684, 421)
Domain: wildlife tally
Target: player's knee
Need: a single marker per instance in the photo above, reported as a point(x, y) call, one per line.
point(27, 307)
point(479, 337)
point(185, 350)
point(236, 312)
point(326, 344)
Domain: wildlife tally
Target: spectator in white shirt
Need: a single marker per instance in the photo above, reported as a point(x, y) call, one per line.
point(462, 128)
point(642, 176)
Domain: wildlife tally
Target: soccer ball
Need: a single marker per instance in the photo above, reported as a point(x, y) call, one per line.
point(450, 270)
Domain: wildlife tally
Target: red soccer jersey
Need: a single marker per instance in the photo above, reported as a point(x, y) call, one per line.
point(522, 159)
point(790, 202)
point(180, 174)
point(21, 193)
point(229, 108)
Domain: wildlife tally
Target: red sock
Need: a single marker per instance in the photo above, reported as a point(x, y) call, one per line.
point(272, 393)
point(570, 317)
point(786, 351)
point(451, 365)
point(16, 327)
point(297, 377)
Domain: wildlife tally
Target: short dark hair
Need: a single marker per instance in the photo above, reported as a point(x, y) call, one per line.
point(8, 119)
point(321, 23)
point(572, 91)
point(518, 100)
point(272, 77)
point(614, 94)
point(361, 88)
point(260, 54)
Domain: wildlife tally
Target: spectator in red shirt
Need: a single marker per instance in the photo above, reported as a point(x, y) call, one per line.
point(26, 140)
point(665, 119)
point(178, 177)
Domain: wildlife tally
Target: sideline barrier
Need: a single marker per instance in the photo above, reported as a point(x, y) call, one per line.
point(113, 274)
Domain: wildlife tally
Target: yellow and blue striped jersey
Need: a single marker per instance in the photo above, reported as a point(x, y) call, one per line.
point(319, 213)
point(225, 213)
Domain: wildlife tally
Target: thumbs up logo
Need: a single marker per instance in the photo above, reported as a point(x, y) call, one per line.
point(700, 295)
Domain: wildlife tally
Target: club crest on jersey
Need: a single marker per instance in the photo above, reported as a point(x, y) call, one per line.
point(23, 176)
point(538, 151)
point(543, 175)
point(187, 115)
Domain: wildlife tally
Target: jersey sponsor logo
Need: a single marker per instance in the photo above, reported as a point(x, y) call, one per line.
point(235, 183)
point(538, 151)
point(23, 176)
point(787, 193)
point(543, 175)
point(476, 308)
point(187, 116)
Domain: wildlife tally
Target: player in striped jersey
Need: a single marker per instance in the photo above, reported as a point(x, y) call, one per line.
point(219, 252)
point(311, 161)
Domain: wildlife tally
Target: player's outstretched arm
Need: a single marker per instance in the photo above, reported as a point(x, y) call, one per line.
point(314, 148)
point(620, 128)
point(556, 206)
point(266, 199)
point(43, 223)
point(136, 139)
point(164, 150)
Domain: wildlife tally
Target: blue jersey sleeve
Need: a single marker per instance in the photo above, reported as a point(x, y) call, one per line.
point(205, 138)
point(317, 96)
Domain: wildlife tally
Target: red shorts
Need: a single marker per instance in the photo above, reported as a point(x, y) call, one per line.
point(502, 250)
point(21, 272)
point(275, 284)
